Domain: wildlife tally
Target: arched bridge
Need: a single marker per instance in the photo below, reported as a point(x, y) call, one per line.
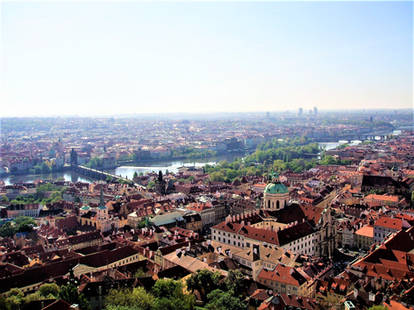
point(102, 175)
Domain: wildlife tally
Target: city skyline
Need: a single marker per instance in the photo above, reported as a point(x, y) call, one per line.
point(203, 57)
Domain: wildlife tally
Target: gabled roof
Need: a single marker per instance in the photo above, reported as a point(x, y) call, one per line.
point(366, 231)
point(391, 223)
point(392, 260)
point(293, 233)
point(283, 274)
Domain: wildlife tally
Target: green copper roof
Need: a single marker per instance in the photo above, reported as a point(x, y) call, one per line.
point(276, 188)
point(85, 208)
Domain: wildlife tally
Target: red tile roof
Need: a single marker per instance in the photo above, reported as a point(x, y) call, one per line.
point(366, 231)
point(283, 274)
point(389, 222)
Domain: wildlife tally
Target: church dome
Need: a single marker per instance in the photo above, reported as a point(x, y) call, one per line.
point(276, 188)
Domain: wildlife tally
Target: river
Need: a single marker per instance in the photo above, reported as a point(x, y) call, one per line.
point(333, 145)
point(128, 171)
point(125, 171)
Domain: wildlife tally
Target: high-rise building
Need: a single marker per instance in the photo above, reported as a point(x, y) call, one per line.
point(315, 110)
point(300, 112)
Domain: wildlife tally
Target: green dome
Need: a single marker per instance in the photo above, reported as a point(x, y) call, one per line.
point(276, 188)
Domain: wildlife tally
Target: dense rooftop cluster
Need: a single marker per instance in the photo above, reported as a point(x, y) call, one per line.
point(44, 145)
point(332, 236)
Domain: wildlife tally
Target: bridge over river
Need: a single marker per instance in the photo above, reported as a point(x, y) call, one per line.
point(103, 175)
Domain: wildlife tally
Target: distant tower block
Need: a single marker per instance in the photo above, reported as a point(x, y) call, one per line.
point(300, 112)
point(276, 195)
point(315, 110)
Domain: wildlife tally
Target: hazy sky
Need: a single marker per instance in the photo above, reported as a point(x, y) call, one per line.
point(101, 58)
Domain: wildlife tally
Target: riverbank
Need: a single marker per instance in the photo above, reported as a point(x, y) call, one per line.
point(126, 171)
point(147, 166)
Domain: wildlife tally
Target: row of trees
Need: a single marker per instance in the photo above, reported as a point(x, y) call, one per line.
point(216, 294)
point(191, 153)
point(45, 194)
point(165, 294)
point(297, 155)
point(95, 162)
point(15, 299)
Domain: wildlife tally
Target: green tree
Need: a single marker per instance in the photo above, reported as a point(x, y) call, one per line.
point(219, 300)
point(378, 307)
point(203, 281)
point(24, 223)
point(151, 184)
point(279, 165)
point(8, 229)
point(48, 289)
point(32, 297)
point(140, 273)
point(118, 307)
point(328, 160)
point(71, 294)
point(167, 288)
point(169, 295)
point(236, 282)
point(136, 298)
point(217, 176)
point(14, 299)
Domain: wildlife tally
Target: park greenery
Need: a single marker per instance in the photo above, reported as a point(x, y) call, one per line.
point(165, 294)
point(191, 153)
point(216, 293)
point(45, 194)
point(15, 299)
point(279, 155)
point(21, 224)
point(95, 163)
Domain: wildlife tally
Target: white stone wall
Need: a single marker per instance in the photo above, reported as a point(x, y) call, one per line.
point(228, 238)
point(381, 233)
point(307, 245)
